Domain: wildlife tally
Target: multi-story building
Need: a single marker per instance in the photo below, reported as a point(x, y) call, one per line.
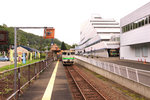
point(135, 35)
point(99, 37)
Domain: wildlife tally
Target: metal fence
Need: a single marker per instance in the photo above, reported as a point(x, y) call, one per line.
point(25, 75)
point(137, 75)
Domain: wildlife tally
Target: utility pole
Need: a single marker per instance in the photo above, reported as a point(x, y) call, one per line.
point(15, 62)
point(15, 51)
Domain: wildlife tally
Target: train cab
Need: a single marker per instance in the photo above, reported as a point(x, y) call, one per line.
point(68, 57)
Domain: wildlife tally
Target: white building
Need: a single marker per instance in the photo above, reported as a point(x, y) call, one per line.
point(99, 36)
point(135, 35)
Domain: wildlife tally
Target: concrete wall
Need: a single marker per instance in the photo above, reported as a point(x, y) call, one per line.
point(136, 36)
point(135, 15)
point(137, 87)
point(103, 53)
point(128, 52)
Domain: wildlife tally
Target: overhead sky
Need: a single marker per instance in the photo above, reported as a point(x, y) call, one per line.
point(65, 16)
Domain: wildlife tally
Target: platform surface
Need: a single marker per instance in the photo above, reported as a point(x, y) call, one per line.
point(129, 63)
point(60, 90)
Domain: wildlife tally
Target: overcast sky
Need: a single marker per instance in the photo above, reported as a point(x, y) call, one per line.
point(66, 16)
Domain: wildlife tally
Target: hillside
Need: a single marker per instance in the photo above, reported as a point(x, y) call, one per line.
point(28, 39)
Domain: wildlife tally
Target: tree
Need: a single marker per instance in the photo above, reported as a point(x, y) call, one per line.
point(27, 39)
point(74, 45)
point(63, 46)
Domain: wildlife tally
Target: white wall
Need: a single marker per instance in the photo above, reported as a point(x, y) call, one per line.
point(137, 14)
point(128, 52)
point(136, 36)
point(103, 53)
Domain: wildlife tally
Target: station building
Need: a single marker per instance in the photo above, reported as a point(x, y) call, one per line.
point(99, 37)
point(135, 35)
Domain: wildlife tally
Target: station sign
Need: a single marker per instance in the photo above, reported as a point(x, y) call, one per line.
point(3, 37)
point(49, 33)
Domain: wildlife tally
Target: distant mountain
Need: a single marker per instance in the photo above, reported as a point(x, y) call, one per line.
point(28, 39)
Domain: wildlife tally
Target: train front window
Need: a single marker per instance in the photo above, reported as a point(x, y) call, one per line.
point(72, 53)
point(64, 53)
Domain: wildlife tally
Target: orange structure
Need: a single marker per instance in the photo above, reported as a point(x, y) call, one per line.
point(49, 33)
point(55, 48)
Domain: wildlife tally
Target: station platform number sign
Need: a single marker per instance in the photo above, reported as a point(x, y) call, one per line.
point(49, 33)
point(3, 37)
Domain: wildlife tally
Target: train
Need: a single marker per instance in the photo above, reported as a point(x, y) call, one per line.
point(68, 57)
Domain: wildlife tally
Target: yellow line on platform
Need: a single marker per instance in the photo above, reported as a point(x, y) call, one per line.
point(48, 92)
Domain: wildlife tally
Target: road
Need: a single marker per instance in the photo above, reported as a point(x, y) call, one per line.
point(4, 63)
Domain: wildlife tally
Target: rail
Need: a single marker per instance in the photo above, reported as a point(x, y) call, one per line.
point(137, 75)
point(25, 75)
point(86, 89)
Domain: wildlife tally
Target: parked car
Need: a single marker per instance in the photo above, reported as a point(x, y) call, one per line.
point(4, 58)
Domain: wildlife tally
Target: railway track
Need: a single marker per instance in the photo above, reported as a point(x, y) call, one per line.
point(82, 89)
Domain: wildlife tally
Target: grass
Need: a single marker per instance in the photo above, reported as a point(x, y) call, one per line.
point(7, 67)
point(133, 95)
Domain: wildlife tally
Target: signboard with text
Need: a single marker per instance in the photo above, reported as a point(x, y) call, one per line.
point(49, 33)
point(3, 37)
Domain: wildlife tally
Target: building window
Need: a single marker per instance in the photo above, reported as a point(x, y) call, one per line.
point(138, 23)
point(149, 19)
point(142, 22)
point(137, 51)
point(118, 38)
point(145, 51)
point(146, 21)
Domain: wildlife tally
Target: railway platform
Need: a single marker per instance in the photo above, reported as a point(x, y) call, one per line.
point(129, 63)
point(51, 85)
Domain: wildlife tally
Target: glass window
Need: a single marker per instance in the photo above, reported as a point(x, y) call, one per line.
point(149, 19)
point(142, 22)
point(118, 38)
point(139, 24)
point(146, 21)
point(122, 29)
point(64, 53)
point(128, 27)
point(134, 25)
point(137, 51)
point(72, 53)
point(125, 28)
point(145, 51)
point(131, 26)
